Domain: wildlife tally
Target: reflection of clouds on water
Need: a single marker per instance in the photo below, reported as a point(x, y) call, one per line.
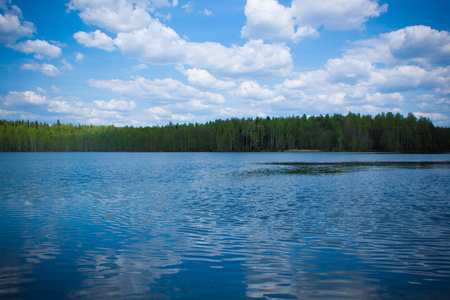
point(37, 233)
point(177, 229)
point(290, 269)
point(36, 253)
point(264, 228)
point(12, 276)
point(42, 240)
point(125, 271)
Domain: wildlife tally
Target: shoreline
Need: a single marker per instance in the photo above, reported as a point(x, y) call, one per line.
point(303, 150)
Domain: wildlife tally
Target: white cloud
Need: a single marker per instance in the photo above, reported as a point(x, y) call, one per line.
point(207, 12)
point(433, 116)
point(79, 57)
point(15, 98)
point(40, 48)
point(96, 39)
point(373, 110)
point(268, 19)
point(11, 26)
point(46, 69)
point(56, 90)
point(421, 44)
point(104, 114)
point(160, 3)
point(252, 90)
point(149, 41)
point(140, 67)
point(158, 44)
point(188, 7)
point(203, 79)
point(113, 15)
point(417, 44)
point(114, 104)
point(158, 89)
point(41, 90)
point(66, 65)
point(61, 106)
point(348, 70)
point(354, 83)
point(384, 99)
point(336, 14)
point(404, 78)
point(254, 58)
point(305, 81)
point(165, 114)
point(158, 113)
point(165, 17)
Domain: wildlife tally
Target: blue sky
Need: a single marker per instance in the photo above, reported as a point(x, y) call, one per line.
point(149, 62)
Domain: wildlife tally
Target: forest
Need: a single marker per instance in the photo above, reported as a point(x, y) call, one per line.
point(384, 132)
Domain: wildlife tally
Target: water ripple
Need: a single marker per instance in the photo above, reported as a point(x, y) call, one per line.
point(273, 226)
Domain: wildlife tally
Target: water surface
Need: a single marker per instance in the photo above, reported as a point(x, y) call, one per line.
point(224, 225)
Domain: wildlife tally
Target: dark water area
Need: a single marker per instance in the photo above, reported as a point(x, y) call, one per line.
point(224, 226)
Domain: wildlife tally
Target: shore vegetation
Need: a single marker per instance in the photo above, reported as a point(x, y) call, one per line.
point(384, 132)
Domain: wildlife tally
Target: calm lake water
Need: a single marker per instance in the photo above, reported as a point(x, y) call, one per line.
point(224, 226)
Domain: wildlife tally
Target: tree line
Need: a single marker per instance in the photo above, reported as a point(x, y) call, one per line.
point(353, 132)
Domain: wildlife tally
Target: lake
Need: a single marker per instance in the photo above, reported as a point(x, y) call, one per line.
point(224, 226)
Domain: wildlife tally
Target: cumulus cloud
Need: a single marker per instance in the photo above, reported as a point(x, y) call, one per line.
point(158, 89)
point(305, 81)
point(113, 15)
point(86, 112)
point(421, 44)
point(407, 77)
point(252, 90)
point(18, 104)
point(254, 58)
point(15, 98)
point(158, 113)
point(204, 80)
point(96, 39)
point(384, 99)
point(114, 104)
point(268, 19)
point(61, 106)
point(140, 67)
point(141, 37)
point(363, 82)
point(371, 77)
point(40, 48)
point(79, 57)
point(192, 111)
point(12, 27)
point(415, 44)
point(348, 70)
point(158, 44)
point(336, 14)
point(46, 69)
point(434, 116)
